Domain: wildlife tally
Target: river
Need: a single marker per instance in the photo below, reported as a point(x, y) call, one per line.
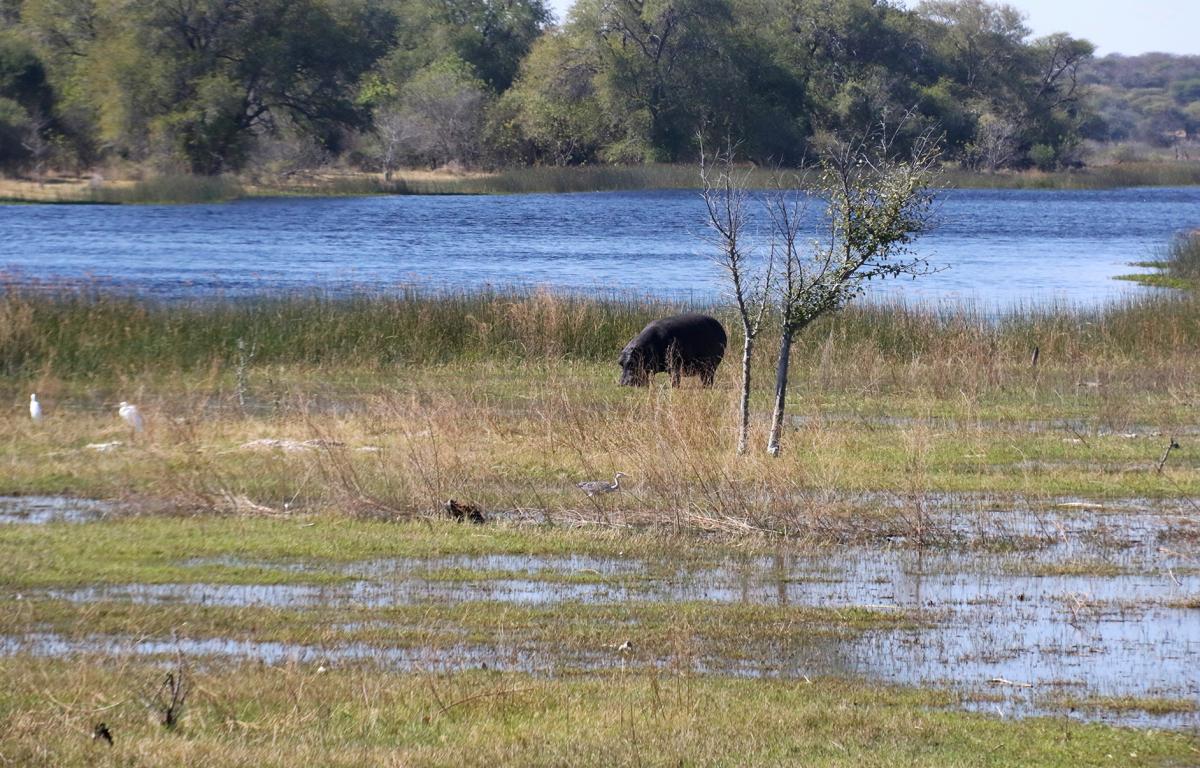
point(998, 248)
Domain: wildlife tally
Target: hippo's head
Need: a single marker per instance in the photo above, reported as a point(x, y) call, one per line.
point(633, 369)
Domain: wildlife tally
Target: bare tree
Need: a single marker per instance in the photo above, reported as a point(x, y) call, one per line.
point(876, 206)
point(37, 144)
point(995, 143)
point(442, 112)
point(725, 199)
point(395, 131)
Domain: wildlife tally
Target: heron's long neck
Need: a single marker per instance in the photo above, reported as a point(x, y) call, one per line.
point(616, 482)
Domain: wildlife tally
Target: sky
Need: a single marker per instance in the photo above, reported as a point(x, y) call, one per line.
point(1115, 26)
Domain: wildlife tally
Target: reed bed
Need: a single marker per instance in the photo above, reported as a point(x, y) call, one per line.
point(183, 188)
point(87, 333)
point(1183, 258)
point(90, 333)
point(1114, 176)
point(169, 189)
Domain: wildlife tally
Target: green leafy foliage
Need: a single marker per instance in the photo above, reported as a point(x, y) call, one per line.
point(208, 86)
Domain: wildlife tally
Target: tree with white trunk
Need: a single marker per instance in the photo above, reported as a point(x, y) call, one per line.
point(725, 199)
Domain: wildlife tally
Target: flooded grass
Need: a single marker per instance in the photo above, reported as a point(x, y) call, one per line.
point(1149, 705)
point(1093, 605)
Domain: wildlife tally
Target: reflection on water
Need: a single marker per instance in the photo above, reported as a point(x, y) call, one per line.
point(999, 247)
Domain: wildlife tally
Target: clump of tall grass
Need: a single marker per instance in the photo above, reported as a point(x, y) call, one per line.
point(86, 333)
point(173, 188)
point(89, 333)
point(1183, 257)
point(599, 178)
point(1178, 267)
point(342, 186)
point(1145, 325)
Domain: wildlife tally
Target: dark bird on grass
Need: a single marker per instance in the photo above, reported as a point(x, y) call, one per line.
point(101, 732)
point(599, 487)
point(462, 512)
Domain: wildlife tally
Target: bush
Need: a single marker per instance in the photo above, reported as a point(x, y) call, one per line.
point(1043, 157)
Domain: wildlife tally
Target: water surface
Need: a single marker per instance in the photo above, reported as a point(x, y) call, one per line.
point(999, 247)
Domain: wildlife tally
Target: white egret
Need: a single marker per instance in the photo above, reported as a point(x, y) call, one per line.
point(132, 416)
point(35, 409)
point(596, 487)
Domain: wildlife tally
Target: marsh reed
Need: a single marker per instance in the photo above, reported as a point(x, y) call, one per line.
point(80, 331)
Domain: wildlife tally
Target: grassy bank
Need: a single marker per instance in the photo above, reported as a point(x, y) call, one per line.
point(389, 405)
point(193, 189)
point(87, 334)
point(1114, 176)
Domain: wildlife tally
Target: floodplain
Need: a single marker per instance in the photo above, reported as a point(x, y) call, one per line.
point(966, 555)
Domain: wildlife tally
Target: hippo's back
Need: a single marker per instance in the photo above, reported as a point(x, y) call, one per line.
point(693, 335)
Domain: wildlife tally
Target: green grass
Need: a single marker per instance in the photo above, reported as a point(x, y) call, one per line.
point(1147, 704)
point(91, 335)
point(567, 633)
point(155, 549)
point(1178, 268)
point(254, 716)
point(1095, 568)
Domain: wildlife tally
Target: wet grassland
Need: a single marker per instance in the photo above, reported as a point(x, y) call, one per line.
point(963, 557)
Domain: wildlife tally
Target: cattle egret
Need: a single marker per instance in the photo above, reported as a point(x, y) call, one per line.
point(596, 487)
point(132, 416)
point(35, 409)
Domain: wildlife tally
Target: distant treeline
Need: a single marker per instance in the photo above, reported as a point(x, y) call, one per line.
point(1153, 98)
point(277, 86)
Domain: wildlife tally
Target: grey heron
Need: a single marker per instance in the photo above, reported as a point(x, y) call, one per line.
point(599, 487)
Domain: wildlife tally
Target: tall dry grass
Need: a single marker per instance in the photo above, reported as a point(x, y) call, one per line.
point(1183, 258)
point(509, 399)
point(91, 334)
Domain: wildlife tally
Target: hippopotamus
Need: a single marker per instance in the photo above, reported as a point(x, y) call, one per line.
point(690, 344)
